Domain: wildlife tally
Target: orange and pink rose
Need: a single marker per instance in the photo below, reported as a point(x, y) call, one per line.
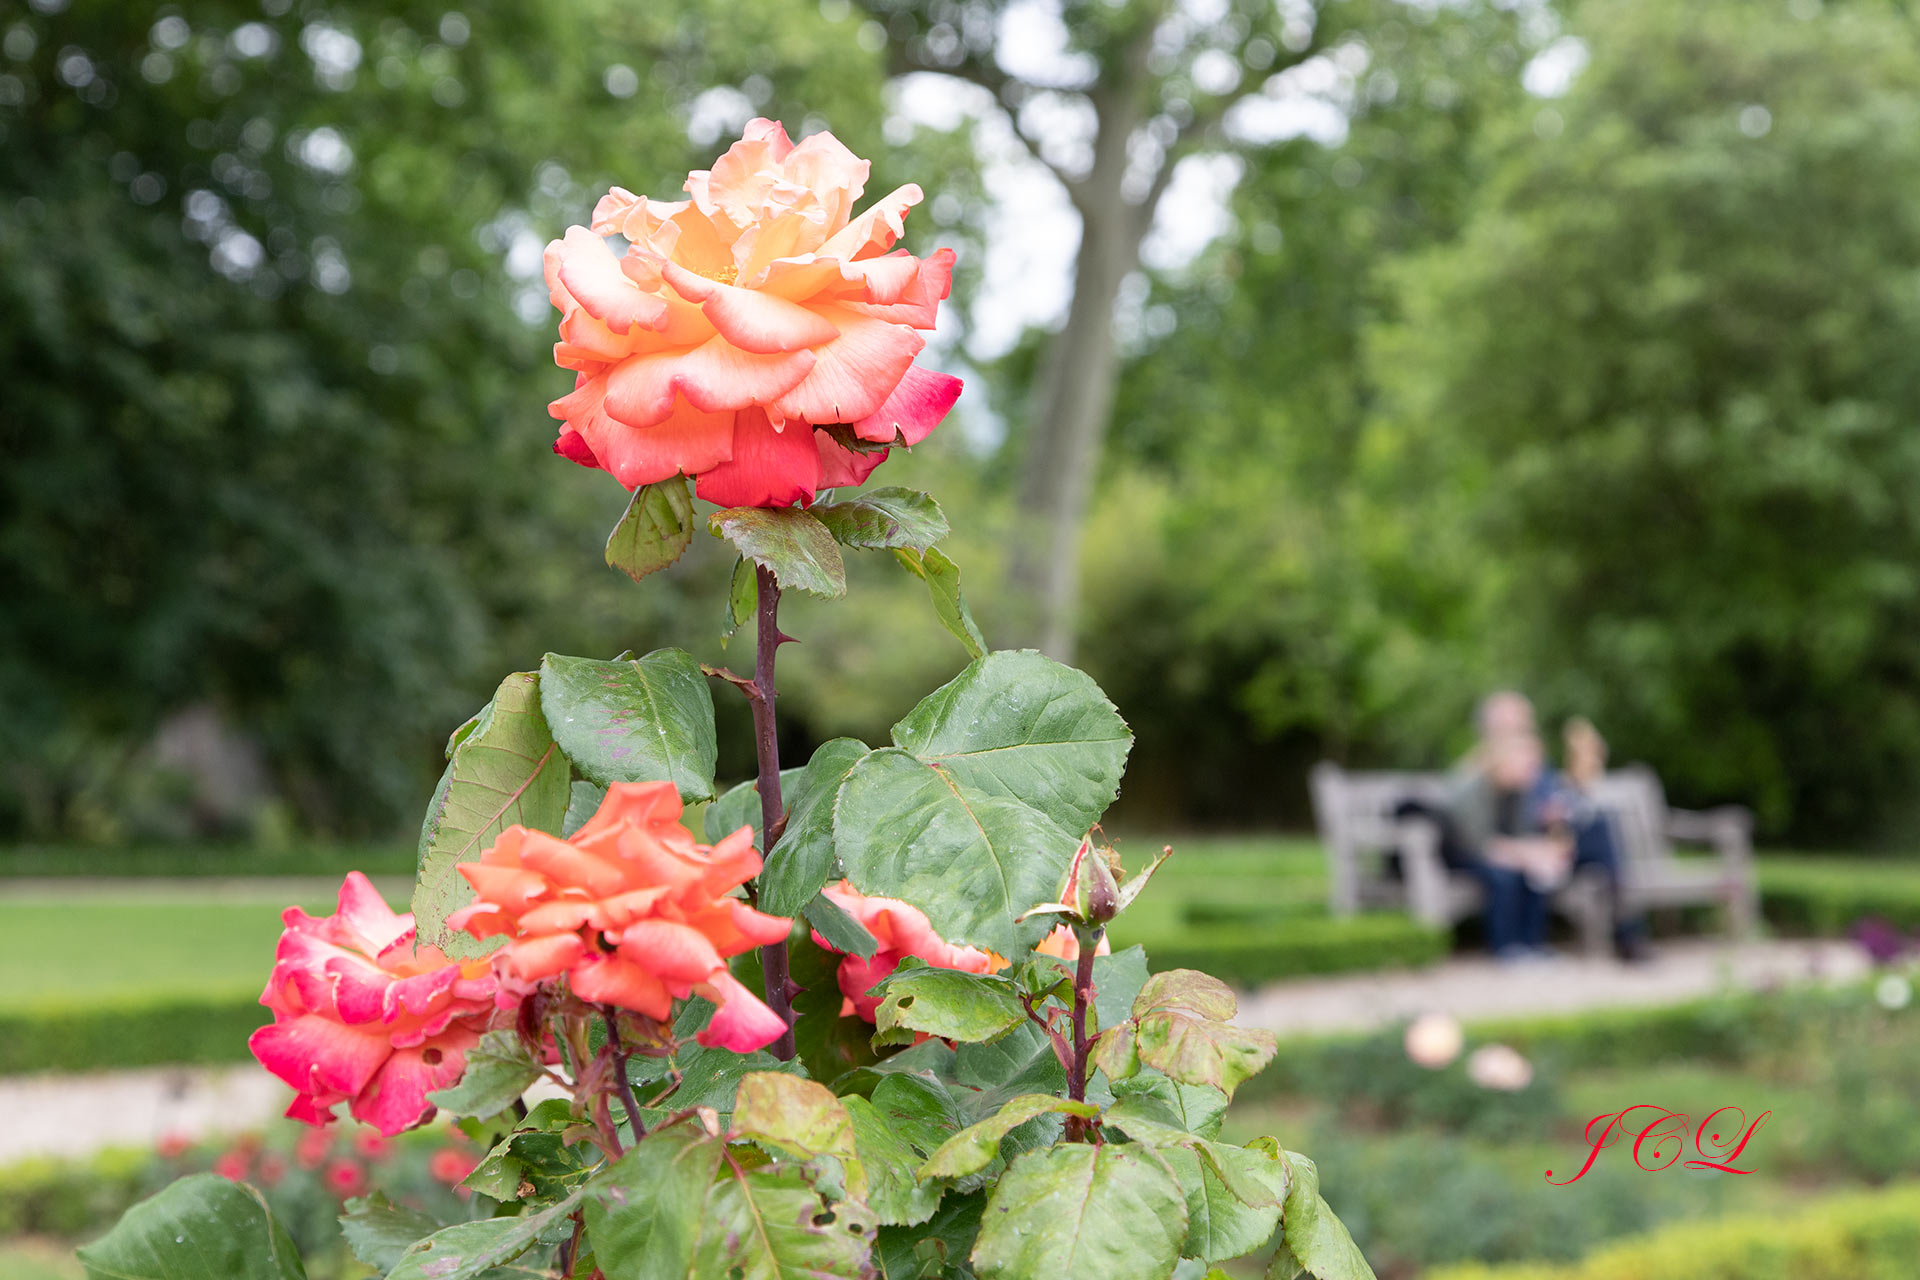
point(742, 321)
point(362, 1017)
point(901, 930)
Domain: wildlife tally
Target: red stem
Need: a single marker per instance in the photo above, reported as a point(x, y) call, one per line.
point(766, 742)
point(1076, 1129)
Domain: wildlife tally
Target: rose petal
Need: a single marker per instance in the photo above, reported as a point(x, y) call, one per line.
point(768, 468)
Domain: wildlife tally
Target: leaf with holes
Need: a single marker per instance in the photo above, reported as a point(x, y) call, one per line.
point(1082, 1212)
point(970, 861)
point(799, 1117)
point(894, 1192)
point(917, 999)
point(942, 577)
point(974, 1148)
point(1312, 1239)
point(641, 720)
point(504, 769)
point(886, 517)
point(201, 1226)
point(789, 541)
point(656, 530)
point(683, 1204)
point(1019, 725)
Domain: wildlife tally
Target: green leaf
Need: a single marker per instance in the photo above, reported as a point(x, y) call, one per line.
point(1195, 1108)
point(1018, 725)
point(947, 1003)
point(498, 1071)
point(1081, 1212)
point(974, 1148)
point(789, 541)
point(802, 861)
point(829, 1045)
point(846, 934)
point(1312, 1238)
point(642, 720)
point(886, 517)
point(1182, 1027)
point(506, 769)
point(743, 597)
point(534, 1159)
point(656, 530)
point(583, 801)
point(942, 577)
point(1020, 1062)
point(894, 1192)
point(971, 862)
point(378, 1231)
point(202, 1227)
point(937, 1250)
point(799, 1117)
point(1117, 980)
point(1234, 1194)
point(680, 1205)
point(470, 1249)
point(922, 1110)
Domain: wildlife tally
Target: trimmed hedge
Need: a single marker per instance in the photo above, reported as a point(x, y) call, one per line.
point(1827, 898)
point(68, 1199)
point(1293, 946)
point(1872, 1235)
point(210, 1028)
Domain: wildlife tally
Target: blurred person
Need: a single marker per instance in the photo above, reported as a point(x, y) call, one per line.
point(1493, 827)
point(1568, 803)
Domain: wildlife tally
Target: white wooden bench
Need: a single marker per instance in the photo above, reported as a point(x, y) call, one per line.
point(1355, 812)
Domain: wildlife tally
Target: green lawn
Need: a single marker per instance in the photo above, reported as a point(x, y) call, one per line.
point(131, 944)
point(39, 1260)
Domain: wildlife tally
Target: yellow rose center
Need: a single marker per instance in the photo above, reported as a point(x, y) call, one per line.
point(725, 275)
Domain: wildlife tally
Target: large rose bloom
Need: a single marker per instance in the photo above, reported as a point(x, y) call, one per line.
point(743, 318)
point(360, 1016)
point(631, 910)
point(901, 930)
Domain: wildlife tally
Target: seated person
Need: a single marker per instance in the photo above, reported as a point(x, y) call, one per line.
point(1566, 803)
point(1493, 829)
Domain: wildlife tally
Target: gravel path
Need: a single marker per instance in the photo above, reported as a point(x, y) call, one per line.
point(75, 1115)
point(1475, 988)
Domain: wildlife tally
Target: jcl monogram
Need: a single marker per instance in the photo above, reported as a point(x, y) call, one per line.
point(1660, 1138)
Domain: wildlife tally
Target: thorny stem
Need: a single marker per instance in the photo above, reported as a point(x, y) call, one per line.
point(1076, 1128)
point(624, 1085)
point(766, 741)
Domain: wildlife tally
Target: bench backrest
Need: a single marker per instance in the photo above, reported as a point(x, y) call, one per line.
point(1354, 811)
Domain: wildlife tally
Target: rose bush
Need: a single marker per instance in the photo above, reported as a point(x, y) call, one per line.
point(743, 320)
point(944, 1057)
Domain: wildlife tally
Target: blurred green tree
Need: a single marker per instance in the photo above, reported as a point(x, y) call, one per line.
point(274, 345)
point(1262, 588)
point(1672, 371)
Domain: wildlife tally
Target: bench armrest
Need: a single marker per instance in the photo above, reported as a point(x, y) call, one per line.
point(1418, 842)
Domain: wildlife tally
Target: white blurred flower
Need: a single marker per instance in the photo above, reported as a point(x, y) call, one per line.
point(1893, 992)
point(1434, 1040)
point(1497, 1066)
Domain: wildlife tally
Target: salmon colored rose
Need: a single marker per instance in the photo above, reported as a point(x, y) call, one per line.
point(362, 1017)
point(631, 910)
point(901, 930)
point(743, 319)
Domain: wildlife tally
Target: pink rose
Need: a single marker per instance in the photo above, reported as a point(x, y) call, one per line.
point(361, 1017)
point(901, 930)
point(742, 319)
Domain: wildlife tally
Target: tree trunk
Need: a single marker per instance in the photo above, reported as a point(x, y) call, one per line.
point(1067, 423)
